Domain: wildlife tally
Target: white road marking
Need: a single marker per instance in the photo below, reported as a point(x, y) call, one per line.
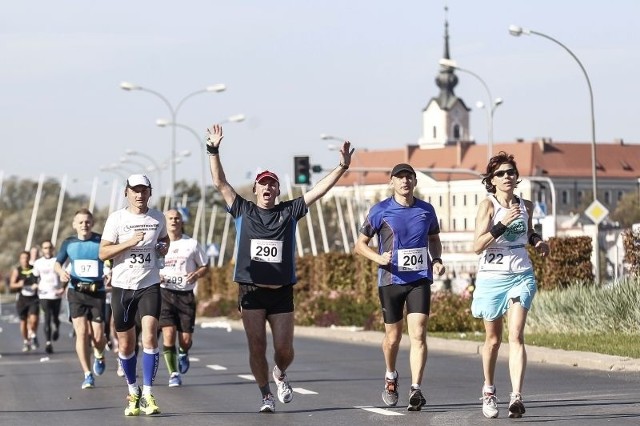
point(379, 411)
point(192, 358)
point(217, 324)
point(250, 377)
point(216, 367)
point(304, 391)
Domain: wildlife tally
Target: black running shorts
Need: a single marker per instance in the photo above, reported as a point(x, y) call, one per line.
point(126, 304)
point(88, 305)
point(27, 305)
point(416, 296)
point(178, 309)
point(274, 301)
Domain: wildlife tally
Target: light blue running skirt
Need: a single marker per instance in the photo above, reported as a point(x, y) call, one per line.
point(493, 292)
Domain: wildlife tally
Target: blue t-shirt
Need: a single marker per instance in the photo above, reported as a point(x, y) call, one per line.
point(405, 229)
point(86, 266)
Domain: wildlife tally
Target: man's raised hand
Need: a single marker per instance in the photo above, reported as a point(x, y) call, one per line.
point(214, 135)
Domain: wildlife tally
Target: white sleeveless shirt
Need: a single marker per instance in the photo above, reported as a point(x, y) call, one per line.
point(507, 254)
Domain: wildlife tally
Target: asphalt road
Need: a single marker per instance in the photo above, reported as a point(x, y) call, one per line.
point(337, 380)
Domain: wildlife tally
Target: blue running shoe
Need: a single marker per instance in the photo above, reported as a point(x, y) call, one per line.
point(175, 380)
point(88, 382)
point(99, 366)
point(183, 362)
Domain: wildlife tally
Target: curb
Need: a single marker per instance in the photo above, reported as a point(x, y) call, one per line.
point(535, 354)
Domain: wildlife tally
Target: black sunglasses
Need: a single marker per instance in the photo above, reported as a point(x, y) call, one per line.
point(508, 172)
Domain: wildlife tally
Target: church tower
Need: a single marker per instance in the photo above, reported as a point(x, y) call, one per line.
point(445, 119)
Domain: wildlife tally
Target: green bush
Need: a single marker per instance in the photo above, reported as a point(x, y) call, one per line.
point(341, 289)
point(568, 262)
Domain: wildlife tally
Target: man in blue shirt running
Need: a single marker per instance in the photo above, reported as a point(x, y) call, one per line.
point(409, 250)
point(85, 293)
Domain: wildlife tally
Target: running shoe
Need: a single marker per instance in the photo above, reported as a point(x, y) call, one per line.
point(416, 400)
point(183, 362)
point(99, 366)
point(48, 348)
point(34, 342)
point(88, 382)
point(516, 407)
point(133, 404)
point(268, 404)
point(489, 405)
point(285, 393)
point(390, 392)
point(175, 380)
point(56, 333)
point(26, 347)
point(120, 370)
point(148, 405)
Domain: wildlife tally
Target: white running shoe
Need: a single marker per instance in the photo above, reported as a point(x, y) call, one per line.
point(489, 405)
point(516, 407)
point(285, 393)
point(268, 404)
point(390, 391)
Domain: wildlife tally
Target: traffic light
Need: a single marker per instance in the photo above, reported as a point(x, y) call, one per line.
point(301, 170)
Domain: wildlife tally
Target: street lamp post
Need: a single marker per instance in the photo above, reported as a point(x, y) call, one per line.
point(517, 31)
point(494, 102)
point(237, 118)
point(216, 88)
point(490, 111)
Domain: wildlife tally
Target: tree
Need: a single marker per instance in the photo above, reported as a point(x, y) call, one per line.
point(627, 212)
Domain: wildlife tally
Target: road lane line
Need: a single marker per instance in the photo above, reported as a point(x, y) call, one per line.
point(304, 391)
point(378, 410)
point(216, 367)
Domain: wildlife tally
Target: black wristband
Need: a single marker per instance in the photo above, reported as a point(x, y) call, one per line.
point(532, 238)
point(497, 230)
point(436, 260)
point(343, 166)
point(212, 150)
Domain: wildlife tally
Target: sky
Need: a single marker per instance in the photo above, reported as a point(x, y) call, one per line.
point(361, 70)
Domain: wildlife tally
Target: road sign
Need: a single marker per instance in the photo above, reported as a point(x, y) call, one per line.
point(539, 210)
point(597, 212)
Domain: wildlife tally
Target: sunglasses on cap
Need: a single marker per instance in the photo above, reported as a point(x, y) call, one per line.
point(508, 172)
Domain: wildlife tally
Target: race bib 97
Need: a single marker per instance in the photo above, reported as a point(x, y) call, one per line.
point(86, 268)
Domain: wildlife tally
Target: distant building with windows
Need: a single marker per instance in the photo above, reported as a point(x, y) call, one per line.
point(555, 175)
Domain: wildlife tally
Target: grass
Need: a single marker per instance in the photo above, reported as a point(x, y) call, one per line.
point(610, 344)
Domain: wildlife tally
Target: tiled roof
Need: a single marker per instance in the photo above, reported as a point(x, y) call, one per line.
point(534, 158)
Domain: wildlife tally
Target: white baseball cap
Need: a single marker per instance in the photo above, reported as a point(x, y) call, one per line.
point(137, 180)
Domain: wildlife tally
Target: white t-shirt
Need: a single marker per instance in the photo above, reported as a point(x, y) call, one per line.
point(136, 267)
point(49, 280)
point(185, 256)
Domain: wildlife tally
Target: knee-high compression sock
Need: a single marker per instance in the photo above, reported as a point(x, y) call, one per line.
point(128, 363)
point(150, 361)
point(170, 358)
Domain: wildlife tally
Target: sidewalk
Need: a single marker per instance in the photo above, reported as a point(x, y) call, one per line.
point(535, 354)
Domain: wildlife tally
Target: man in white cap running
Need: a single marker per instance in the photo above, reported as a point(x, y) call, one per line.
point(135, 238)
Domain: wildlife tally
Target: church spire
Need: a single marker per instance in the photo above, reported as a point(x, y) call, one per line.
point(446, 80)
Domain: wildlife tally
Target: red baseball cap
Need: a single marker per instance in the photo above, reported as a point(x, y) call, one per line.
point(267, 174)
